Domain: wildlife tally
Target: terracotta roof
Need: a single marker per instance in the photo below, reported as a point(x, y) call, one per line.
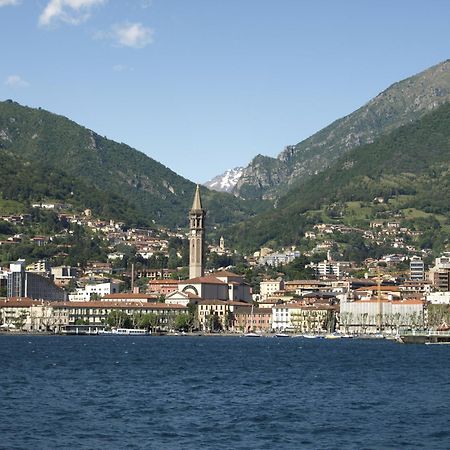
point(163, 282)
point(256, 311)
point(118, 305)
point(306, 282)
point(309, 307)
point(21, 302)
point(381, 288)
point(223, 302)
point(226, 273)
point(129, 295)
point(203, 280)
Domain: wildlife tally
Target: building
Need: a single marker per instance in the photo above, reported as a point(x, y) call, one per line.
point(268, 287)
point(41, 267)
point(63, 275)
point(181, 298)
point(439, 275)
point(256, 320)
point(217, 315)
point(162, 287)
point(373, 315)
point(21, 283)
point(302, 286)
point(278, 259)
point(416, 269)
point(331, 269)
point(302, 318)
point(196, 237)
point(218, 286)
point(31, 315)
point(129, 297)
point(93, 291)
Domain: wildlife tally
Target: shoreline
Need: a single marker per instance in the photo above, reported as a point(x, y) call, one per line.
point(200, 334)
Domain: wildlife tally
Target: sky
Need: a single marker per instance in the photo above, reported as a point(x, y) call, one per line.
point(206, 85)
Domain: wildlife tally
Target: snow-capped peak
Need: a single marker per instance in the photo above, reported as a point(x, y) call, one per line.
point(225, 182)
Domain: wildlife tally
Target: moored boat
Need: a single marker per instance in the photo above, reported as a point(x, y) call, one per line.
point(251, 335)
point(129, 332)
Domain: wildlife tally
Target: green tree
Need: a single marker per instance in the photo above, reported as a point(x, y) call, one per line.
point(119, 319)
point(148, 321)
point(183, 322)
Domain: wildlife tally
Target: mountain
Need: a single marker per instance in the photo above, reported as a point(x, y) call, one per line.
point(409, 169)
point(225, 182)
point(400, 104)
point(47, 156)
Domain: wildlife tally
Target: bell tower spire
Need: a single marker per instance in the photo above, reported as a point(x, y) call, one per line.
point(196, 236)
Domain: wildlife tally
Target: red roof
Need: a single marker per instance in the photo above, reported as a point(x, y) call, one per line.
point(117, 305)
point(203, 280)
point(129, 295)
point(226, 273)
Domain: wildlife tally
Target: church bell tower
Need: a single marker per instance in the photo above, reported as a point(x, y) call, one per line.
point(196, 236)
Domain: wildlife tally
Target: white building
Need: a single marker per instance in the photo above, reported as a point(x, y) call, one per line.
point(93, 290)
point(328, 268)
point(268, 287)
point(301, 318)
point(277, 259)
point(439, 298)
point(368, 316)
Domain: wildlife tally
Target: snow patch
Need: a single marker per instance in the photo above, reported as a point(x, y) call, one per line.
point(225, 182)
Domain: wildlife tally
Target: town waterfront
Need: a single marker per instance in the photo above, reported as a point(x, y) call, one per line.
point(222, 393)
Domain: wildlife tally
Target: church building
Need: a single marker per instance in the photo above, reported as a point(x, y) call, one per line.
point(223, 286)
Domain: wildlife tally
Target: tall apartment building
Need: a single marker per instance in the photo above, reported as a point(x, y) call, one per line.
point(416, 269)
point(439, 275)
point(22, 283)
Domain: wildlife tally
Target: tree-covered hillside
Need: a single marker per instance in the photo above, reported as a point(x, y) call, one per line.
point(46, 156)
point(408, 170)
point(402, 103)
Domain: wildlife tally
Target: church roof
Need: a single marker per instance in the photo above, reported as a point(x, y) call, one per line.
point(203, 280)
point(197, 204)
point(226, 273)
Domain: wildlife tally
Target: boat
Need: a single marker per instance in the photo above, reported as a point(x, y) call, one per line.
point(129, 332)
point(430, 337)
point(313, 336)
point(251, 335)
point(282, 335)
point(333, 336)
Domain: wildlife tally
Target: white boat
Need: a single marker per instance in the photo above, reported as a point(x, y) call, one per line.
point(129, 332)
point(333, 336)
point(282, 335)
point(313, 336)
point(251, 335)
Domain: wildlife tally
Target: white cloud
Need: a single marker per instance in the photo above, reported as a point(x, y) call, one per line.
point(9, 2)
point(16, 81)
point(132, 35)
point(69, 11)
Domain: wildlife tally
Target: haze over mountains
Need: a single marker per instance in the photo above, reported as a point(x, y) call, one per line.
point(403, 102)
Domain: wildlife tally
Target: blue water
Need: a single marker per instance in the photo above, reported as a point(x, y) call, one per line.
point(221, 393)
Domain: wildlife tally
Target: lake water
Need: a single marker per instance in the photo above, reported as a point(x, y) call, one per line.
point(221, 393)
